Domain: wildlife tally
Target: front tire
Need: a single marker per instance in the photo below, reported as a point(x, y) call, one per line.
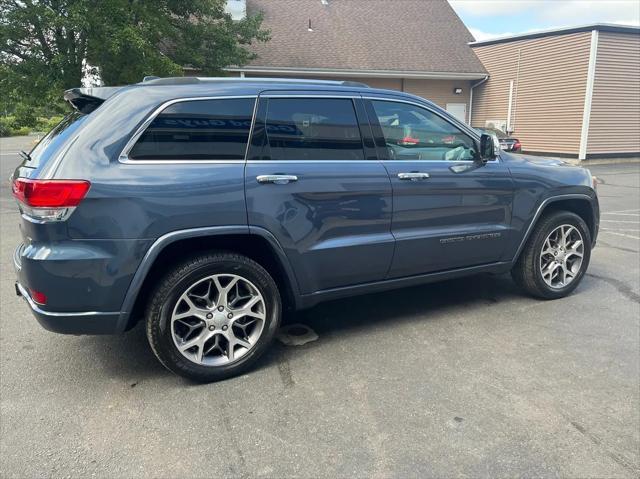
point(555, 257)
point(213, 316)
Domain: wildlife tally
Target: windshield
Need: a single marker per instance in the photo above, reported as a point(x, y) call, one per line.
point(52, 142)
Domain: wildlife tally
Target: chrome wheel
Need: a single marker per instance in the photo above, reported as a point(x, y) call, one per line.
point(218, 319)
point(561, 256)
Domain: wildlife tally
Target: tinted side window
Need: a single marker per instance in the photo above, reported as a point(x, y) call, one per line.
point(198, 130)
point(414, 133)
point(313, 129)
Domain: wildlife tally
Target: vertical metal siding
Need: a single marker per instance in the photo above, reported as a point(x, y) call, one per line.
point(549, 93)
point(615, 108)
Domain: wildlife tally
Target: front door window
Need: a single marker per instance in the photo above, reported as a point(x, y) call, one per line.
point(414, 133)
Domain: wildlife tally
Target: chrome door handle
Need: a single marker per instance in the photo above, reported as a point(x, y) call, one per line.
point(276, 179)
point(413, 176)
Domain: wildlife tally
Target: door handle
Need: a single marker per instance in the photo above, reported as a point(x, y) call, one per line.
point(276, 179)
point(413, 176)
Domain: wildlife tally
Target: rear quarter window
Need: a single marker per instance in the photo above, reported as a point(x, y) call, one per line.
point(197, 130)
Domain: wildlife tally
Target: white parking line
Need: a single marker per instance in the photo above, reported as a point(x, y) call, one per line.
point(622, 214)
point(626, 211)
point(619, 221)
point(621, 234)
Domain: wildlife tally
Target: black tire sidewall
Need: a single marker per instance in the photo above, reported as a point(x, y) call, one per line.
point(174, 285)
point(541, 234)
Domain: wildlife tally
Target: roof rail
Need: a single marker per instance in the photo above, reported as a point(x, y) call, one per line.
point(195, 80)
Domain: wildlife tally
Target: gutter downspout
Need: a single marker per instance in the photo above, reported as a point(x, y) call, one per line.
point(588, 96)
point(509, 108)
point(478, 83)
point(515, 96)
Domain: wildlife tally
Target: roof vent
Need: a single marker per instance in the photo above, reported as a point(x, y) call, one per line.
point(237, 9)
point(309, 29)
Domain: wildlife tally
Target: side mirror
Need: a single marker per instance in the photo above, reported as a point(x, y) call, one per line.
point(487, 148)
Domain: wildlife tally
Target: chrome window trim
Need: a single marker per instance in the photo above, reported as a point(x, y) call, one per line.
point(458, 124)
point(350, 96)
point(127, 161)
point(124, 155)
point(426, 162)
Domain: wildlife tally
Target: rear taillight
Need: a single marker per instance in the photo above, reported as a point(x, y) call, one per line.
point(49, 200)
point(517, 145)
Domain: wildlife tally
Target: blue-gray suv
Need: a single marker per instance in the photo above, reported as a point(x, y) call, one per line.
point(210, 206)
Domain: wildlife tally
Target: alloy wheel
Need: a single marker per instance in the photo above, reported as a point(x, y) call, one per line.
point(561, 256)
point(218, 319)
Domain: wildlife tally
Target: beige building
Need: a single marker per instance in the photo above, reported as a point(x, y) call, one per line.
point(417, 46)
point(571, 92)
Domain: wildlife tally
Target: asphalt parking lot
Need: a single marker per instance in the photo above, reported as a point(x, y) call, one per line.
point(462, 378)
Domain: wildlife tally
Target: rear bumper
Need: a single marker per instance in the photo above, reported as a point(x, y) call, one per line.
point(85, 322)
point(85, 283)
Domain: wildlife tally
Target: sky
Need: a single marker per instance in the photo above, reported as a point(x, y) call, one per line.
point(494, 18)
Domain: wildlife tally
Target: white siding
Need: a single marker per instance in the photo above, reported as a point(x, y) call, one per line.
point(614, 126)
point(549, 89)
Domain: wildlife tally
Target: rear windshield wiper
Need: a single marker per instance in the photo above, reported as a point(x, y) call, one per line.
point(26, 156)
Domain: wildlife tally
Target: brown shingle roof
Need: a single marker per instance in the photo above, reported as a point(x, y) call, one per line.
point(398, 35)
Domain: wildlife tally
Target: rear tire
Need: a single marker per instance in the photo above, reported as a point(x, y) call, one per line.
point(213, 316)
point(555, 257)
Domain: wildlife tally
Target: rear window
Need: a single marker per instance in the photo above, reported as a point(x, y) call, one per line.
point(313, 129)
point(55, 139)
point(198, 130)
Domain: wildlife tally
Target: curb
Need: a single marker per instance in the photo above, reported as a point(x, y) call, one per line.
point(612, 161)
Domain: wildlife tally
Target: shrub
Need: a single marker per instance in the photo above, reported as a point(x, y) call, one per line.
point(21, 131)
point(6, 125)
point(12, 126)
point(47, 124)
point(25, 116)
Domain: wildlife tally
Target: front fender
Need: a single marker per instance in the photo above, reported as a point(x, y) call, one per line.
point(544, 204)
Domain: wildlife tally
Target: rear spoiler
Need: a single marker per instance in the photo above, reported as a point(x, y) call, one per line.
point(85, 100)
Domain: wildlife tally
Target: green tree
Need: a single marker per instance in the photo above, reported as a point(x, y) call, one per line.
point(47, 46)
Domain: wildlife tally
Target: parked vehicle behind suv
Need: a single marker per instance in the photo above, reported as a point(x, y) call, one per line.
point(209, 206)
point(507, 142)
